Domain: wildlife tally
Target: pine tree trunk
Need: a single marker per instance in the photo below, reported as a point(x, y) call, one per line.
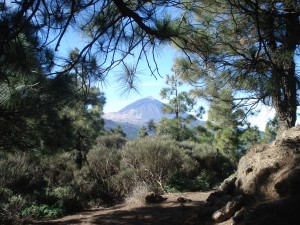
point(285, 101)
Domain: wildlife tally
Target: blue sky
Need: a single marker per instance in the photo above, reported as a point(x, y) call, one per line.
point(149, 85)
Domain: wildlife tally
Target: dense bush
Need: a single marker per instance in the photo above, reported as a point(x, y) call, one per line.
point(104, 164)
point(216, 165)
point(43, 211)
point(10, 206)
point(209, 168)
point(153, 161)
point(44, 186)
point(111, 141)
point(20, 172)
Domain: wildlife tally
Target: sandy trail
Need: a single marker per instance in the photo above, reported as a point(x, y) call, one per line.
point(165, 213)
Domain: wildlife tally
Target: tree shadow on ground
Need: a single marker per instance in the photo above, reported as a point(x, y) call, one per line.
point(153, 214)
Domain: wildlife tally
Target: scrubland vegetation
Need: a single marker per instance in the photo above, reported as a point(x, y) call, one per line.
point(50, 186)
point(41, 183)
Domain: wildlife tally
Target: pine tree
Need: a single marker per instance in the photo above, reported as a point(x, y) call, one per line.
point(271, 128)
point(233, 134)
point(248, 46)
point(152, 126)
point(119, 131)
point(143, 132)
point(182, 105)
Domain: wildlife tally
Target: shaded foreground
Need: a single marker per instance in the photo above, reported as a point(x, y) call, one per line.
point(137, 213)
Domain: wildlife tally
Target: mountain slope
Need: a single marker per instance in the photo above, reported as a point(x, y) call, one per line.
point(137, 114)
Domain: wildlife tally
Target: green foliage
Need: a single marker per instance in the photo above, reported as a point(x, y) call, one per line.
point(182, 105)
point(66, 198)
point(152, 126)
point(104, 164)
point(180, 183)
point(111, 141)
point(232, 133)
point(249, 48)
point(202, 135)
point(143, 132)
point(271, 130)
point(226, 141)
point(43, 211)
point(118, 131)
point(41, 112)
point(10, 206)
point(249, 137)
point(49, 186)
point(222, 112)
point(20, 172)
point(174, 129)
point(154, 161)
point(207, 169)
point(54, 181)
point(216, 165)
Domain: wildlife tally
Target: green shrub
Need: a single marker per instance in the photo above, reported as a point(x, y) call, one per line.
point(111, 141)
point(215, 165)
point(206, 169)
point(104, 164)
point(43, 211)
point(58, 169)
point(10, 206)
point(20, 172)
point(154, 161)
point(124, 181)
point(66, 198)
point(182, 183)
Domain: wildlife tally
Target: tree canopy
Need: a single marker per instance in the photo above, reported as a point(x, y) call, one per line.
point(249, 46)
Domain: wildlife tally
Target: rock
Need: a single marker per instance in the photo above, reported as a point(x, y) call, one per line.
point(267, 182)
point(154, 198)
point(219, 216)
point(218, 199)
point(271, 171)
point(182, 200)
point(284, 211)
point(228, 185)
point(227, 211)
point(239, 216)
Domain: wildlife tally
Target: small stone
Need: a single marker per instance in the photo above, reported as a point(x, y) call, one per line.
point(219, 216)
point(228, 185)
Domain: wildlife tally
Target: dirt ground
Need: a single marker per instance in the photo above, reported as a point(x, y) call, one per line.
point(136, 213)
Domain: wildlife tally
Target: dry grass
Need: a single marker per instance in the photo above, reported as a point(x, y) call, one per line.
point(138, 194)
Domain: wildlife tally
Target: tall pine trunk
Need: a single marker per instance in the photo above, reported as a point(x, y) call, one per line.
point(285, 99)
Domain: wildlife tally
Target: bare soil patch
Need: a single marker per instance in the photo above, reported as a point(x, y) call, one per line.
point(136, 213)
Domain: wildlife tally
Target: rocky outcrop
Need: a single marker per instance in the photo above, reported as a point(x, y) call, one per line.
point(227, 211)
point(264, 191)
point(272, 171)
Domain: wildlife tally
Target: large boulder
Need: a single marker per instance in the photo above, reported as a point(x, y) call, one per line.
point(264, 191)
point(272, 171)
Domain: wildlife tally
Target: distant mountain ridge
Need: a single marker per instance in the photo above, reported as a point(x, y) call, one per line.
point(137, 114)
